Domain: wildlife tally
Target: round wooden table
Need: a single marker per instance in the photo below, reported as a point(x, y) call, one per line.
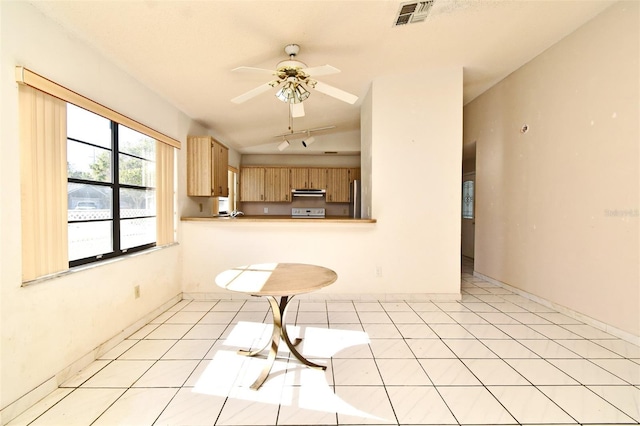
point(271, 280)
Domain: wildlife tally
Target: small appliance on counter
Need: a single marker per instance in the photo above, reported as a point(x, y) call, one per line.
point(308, 213)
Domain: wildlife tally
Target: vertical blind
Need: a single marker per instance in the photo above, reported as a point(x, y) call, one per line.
point(43, 156)
point(165, 218)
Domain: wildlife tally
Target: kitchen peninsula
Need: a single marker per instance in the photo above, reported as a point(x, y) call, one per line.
point(276, 218)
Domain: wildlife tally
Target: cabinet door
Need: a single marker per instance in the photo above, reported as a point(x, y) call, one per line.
point(219, 177)
point(354, 174)
point(224, 171)
point(252, 184)
point(199, 166)
point(276, 184)
point(337, 186)
point(317, 178)
point(299, 178)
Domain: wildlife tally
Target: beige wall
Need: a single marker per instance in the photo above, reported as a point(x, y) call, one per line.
point(557, 207)
point(52, 327)
point(414, 135)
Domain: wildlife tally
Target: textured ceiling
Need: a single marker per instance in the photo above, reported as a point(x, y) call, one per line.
point(185, 51)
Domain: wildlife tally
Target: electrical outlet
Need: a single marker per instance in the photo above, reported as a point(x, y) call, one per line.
point(378, 271)
point(136, 291)
point(266, 209)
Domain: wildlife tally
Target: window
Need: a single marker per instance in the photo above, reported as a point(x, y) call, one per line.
point(94, 185)
point(111, 188)
point(467, 199)
point(229, 204)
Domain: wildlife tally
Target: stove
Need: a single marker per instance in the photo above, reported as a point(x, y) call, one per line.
point(307, 213)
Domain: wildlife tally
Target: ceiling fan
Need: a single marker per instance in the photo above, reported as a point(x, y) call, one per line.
point(293, 78)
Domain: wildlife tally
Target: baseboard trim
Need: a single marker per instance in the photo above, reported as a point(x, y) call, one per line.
point(19, 406)
point(624, 335)
point(385, 297)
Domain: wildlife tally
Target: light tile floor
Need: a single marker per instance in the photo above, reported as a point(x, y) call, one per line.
point(493, 358)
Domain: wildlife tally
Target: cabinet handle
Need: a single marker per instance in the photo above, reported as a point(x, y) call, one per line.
point(261, 197)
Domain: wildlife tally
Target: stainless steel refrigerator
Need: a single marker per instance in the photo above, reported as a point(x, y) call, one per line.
point(355, 199)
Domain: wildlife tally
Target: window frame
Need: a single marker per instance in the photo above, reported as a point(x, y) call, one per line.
point(115, 186)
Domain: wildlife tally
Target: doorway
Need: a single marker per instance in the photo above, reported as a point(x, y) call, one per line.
point(468, 200)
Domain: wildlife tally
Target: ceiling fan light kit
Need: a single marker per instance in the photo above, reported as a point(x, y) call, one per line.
point(292, 93)
point(295, 78)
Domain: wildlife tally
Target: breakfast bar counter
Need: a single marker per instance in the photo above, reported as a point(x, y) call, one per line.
point(275, 218)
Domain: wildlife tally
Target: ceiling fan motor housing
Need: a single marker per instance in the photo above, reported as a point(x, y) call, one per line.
point(292, 49)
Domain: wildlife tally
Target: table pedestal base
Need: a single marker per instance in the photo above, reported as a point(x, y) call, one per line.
point(279, 330)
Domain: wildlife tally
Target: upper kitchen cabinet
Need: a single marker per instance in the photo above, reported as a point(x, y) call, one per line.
point(252, 183)
point(299, 178)
point(317, 178)
point(354, 174)
point(274, 183)
point(207, 166)
point(220, 183)
point(337, 185)
point(277, 185)
point(308, 178)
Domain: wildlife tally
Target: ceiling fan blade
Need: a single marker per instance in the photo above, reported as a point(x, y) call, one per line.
point(254, 70)
point(297, 110)
point(321, 70)
point(255, 92)
point(335, 92)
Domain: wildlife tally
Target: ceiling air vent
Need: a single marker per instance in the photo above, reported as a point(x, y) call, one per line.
point(413, 12)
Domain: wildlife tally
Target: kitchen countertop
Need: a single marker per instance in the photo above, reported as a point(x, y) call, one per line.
point(275, 218)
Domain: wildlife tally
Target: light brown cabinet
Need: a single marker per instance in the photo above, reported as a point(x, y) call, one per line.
point(308, 178)
point(299, 178)
point(252, 183)
point(354, 174)
point(337, 186)
point(277, 187)
point(274, 184)
point(207, 165)
point(317, 178)
point(220, 184)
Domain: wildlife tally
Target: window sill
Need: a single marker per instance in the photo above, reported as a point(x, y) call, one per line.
point(93, 265)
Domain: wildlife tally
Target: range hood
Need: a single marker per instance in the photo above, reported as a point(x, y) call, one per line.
point(308, 192)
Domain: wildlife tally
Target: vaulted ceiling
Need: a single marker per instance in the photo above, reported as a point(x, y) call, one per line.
point(185, 51)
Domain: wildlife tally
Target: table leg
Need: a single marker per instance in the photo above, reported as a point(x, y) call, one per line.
point(298, 355)
point(275, 340)
point(279, 330)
